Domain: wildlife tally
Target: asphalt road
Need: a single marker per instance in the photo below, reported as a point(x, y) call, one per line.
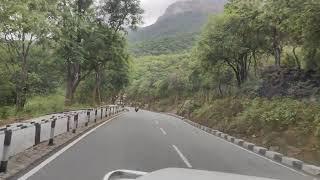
point(147, 141)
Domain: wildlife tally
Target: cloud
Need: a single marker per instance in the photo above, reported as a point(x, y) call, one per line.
point(154, 9)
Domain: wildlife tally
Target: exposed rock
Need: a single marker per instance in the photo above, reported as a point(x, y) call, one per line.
point(203, 6)
point(289, 82)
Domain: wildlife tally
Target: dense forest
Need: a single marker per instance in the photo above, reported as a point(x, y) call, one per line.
point(62, 54)
point(253, 72)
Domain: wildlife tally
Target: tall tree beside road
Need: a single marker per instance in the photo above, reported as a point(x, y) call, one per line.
point(23, 24)
point(114, 16)
point(103, 47)
point(83, 24)
point(75, 17)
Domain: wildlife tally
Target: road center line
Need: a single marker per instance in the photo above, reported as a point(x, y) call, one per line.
point(57, 154)
point(184, 159)
point(163, 131)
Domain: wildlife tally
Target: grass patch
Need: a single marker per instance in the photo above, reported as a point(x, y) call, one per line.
point(37, 106)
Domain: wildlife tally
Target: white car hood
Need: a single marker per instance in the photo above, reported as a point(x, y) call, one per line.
point(190, 174)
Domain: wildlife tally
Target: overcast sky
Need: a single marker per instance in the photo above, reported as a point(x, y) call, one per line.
point(154, 9)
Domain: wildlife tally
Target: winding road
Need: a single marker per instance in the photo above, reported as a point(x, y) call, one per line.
point(147, 141)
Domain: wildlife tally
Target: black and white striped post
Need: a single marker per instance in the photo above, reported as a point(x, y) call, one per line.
point(101, 112)
point(88, 118)
point(6, 150)
point(95, 115)
point(75, 123)
point(106, 112)
point(109, 111)
point(68, 124)
point(37, 133)
point(53, 126)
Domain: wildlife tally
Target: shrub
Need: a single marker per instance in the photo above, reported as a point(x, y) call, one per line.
point(280, 114)
point(4, 112)
point(249, 116)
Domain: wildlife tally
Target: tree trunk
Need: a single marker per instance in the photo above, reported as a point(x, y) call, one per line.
point(296, 58)
point(220, 89)
point(73, 68)
point(22, 85)
point(96, 96)
point(277, 56)
point(276, 47)
point(73, 80)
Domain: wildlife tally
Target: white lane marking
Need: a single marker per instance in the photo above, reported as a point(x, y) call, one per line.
point(157, 122)
point(184, 159)
point(163, 131)
point(258, 155)
point(54, 156)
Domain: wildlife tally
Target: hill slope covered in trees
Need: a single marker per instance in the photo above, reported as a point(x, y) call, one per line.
point(180, 24)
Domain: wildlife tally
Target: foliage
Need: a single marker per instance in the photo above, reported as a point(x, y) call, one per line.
point(165, 45)
point(159, 76)
point(249, 116)
point(49, 45)
point(23, 23)
point(38, 106)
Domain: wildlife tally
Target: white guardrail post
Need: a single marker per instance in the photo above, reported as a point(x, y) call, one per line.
point(53, 125)
point(95, 115)
point(37, 133)
point(6, 150)
point(101, 108)
point(88, 118)
point(68, 123)
point(75, 123)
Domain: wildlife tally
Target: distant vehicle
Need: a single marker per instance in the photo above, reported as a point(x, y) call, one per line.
point(176, 174)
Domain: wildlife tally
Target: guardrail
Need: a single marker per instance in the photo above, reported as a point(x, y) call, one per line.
point(18, 137)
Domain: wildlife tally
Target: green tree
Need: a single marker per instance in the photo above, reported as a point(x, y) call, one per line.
point(23, 24)
point(75, 18)
point(231, 40)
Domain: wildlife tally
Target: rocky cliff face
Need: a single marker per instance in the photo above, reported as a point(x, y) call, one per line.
point(180, 17)
point(180, 24)
point(193, 6)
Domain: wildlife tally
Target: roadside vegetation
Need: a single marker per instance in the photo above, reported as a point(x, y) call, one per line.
point(62, 54)
point(253, 73)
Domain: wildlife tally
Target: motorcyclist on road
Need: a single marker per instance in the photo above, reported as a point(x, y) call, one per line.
point(136, 107)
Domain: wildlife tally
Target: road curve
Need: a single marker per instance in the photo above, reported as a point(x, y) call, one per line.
point(147, 141)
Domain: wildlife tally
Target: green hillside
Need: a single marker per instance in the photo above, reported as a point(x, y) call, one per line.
point(176, 30)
